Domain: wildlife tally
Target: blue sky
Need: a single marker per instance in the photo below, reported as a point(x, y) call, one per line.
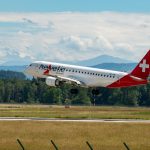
point(73, 30)
point(74, 5)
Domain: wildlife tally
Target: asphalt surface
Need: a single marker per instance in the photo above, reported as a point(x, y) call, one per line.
point(74, 120)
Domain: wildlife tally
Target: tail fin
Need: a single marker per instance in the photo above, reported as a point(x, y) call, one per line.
point(142, 70)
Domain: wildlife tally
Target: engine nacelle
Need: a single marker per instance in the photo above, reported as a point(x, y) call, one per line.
point(51, 81)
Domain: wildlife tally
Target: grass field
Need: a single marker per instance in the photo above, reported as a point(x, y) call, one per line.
point(36, 135)
point(89, 112)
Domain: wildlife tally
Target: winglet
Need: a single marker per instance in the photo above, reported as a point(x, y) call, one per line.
point(142, 70)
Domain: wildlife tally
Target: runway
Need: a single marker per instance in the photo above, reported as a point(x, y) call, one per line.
point(74, 120)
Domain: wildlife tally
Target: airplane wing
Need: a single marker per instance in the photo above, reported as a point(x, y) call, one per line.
point(69, 80)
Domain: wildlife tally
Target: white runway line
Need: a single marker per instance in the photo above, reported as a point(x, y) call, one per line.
point(74, 120)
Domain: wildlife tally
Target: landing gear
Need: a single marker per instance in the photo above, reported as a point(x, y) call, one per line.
point(74, 91)
point(95, 92)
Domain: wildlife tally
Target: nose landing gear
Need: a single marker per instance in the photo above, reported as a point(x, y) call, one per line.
point(95, 92)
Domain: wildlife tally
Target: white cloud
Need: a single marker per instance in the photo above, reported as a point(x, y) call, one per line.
point(73, 36)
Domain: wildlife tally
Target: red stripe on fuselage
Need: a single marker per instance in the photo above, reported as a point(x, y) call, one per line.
point(127, 81)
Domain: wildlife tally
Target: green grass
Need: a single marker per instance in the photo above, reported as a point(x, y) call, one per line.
point(89, 112)
point(36, 135)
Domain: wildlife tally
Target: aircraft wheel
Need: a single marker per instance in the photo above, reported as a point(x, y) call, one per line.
point(95, 91)
point(74, 91)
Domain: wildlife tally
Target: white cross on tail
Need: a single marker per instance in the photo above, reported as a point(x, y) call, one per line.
point(144, 66)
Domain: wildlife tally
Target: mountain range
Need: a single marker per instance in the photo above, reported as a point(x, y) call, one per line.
point(100, 60)
point(103, 62)
point(124, 67)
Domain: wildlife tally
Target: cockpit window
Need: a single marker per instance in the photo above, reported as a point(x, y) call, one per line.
point(33, 65)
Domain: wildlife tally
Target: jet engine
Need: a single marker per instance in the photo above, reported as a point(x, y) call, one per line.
point(51, 81)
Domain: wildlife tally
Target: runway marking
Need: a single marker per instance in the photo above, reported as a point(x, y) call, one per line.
point(74, 120)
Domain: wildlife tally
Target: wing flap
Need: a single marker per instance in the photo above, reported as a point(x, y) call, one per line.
point(69, 80)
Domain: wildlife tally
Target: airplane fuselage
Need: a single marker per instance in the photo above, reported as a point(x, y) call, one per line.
point(57, 73)
point(90, 77)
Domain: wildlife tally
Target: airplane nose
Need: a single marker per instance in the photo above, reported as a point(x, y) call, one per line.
point(27, 70)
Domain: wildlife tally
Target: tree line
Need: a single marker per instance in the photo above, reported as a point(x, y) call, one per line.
point(18, 89)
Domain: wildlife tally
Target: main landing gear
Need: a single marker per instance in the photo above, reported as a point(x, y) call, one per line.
point(74, 91)
point(95, 92)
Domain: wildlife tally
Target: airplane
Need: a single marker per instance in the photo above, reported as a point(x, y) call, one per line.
point(56, 74)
